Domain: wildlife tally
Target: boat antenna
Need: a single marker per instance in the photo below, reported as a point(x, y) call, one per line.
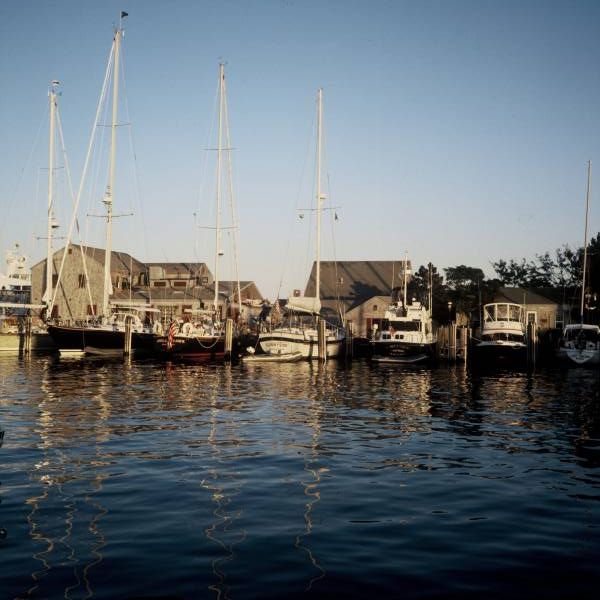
point(585, 237)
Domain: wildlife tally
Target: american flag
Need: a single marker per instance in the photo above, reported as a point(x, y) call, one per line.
point(171, 334)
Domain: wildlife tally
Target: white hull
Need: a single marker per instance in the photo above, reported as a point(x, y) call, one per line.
point(582, 357)
point(14, 343)
point(292, 341)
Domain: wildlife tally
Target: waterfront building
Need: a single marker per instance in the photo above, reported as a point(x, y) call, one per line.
point(173, 287)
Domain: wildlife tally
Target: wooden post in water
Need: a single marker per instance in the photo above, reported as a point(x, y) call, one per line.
point(128, 337)
point(349, 342)
point(28, 334)
point(531, 343)
point(228, 337)
point(465, 335)
point(452, 342)
point(322, 341)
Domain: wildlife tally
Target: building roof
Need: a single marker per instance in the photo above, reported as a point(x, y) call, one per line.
point(354, 281)
point(120, 261)
point(520, 295)
point(173, 270)
point(230, 287)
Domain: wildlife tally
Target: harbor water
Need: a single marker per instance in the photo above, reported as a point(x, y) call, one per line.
point(147, 480)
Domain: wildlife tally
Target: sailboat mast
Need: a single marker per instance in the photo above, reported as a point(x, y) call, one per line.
point(50, 224)
point(585, 237)
point(319, 195)
point(108, 197)
point(218, 215)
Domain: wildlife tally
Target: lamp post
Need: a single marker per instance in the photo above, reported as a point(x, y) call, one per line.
point(449, 311)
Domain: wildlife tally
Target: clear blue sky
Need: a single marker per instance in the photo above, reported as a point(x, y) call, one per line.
point(455, 130)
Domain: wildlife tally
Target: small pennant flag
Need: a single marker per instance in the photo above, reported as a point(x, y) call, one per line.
point(124, 14)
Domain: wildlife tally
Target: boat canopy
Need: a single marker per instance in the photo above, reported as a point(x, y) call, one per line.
point(304, 304)
point(502, 311)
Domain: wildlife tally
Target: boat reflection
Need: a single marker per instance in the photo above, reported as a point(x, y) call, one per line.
point(223, 481)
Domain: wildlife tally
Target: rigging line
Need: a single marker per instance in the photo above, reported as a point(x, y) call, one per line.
point(85, 168)
point(7, 220)
point(335, 262)
point(232, 204)
point(97, 164)
point(72, 194)
point(210, 132)
point(293, 215)
point(136, 177)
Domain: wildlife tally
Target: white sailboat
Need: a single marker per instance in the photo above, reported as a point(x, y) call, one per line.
point(580, 342)
point(299, 331)
point(105, 334)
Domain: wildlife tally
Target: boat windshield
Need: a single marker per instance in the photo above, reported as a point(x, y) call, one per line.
point(578, 333)
point(402, 325)
point(502, 337)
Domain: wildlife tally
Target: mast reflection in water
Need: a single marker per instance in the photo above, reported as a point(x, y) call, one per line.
point(296, 480)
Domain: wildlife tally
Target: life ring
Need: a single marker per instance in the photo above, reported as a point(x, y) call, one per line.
point(186, 329)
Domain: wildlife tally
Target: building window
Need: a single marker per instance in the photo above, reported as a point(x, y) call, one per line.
point(55, 312)
point(82, 280)
point(92, 309)
point(70, 251)
point(374, 307)
point(179, 283)
point(54, 280)
point(160, 284)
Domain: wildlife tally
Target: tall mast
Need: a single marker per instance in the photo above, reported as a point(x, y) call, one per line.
point(320, 197)
point(585, 237)
point(218, 215)
point(108, 197)
point(51, 223)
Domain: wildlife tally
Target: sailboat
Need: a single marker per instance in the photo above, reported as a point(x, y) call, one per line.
point(298, 333)
point(105, 334)
point(580, 342)
point(204, 334)
point(15, 285)
point(406, 335)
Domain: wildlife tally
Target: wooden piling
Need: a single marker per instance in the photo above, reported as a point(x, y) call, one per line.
point(28, 336)
point(322, 341)
point(128, 337)
point(228, 337)
point(531, 344)
point(349, 342)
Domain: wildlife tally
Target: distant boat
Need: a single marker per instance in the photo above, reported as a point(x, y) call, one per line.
point(502, 334)
point(202, 335)
point(580, 343)
point(15, 308)
point(105, 333)
point(406, 334)
point(298, 332)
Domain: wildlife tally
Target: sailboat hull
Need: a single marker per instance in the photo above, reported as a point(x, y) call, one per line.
point(91, 340)
point(195, 348)
point(289, 343)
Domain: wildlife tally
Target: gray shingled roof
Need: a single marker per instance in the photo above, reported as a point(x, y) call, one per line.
point(520, 295)
point(355, 281)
